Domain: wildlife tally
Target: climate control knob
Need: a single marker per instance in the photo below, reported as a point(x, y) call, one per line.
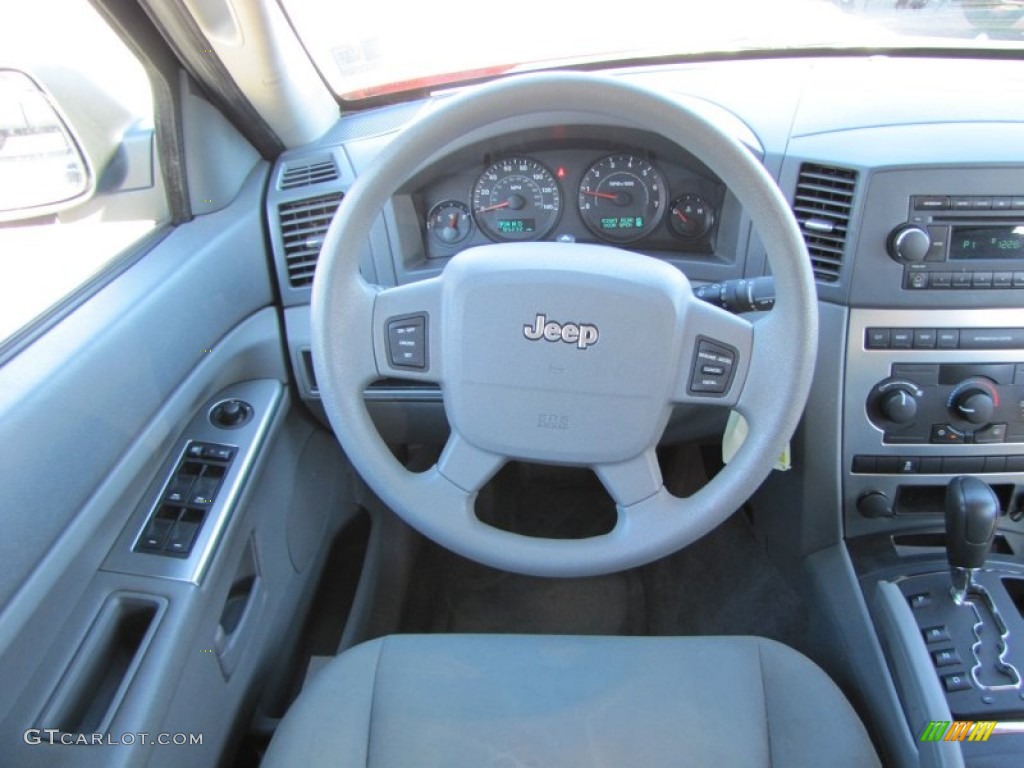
point(909, 244)
point(898, 406)
point(974, 404)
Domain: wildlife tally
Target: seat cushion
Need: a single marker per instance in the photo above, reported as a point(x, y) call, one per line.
point(527, 700)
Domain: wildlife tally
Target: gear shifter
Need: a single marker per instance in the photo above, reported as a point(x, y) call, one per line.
point(971, 513)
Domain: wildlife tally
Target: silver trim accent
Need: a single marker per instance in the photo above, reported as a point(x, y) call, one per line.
point(962, 582)
point(265, 396)
point(1004, 634)
point(865, 368)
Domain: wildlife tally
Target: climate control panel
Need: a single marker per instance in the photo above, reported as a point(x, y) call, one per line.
point(949, 403)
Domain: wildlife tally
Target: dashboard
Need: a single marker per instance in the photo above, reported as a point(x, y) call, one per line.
point(912, 211)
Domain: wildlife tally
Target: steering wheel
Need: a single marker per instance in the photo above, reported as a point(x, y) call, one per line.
point(562, 353)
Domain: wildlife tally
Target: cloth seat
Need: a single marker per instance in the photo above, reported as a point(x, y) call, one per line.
point(416, 701)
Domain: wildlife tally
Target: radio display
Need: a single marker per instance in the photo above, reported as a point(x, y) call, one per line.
point(1005, 242)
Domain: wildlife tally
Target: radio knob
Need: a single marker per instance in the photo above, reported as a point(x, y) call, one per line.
point(974, 405)
point(898, 406)
point(909, 244)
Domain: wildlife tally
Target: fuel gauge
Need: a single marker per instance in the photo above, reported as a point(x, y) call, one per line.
point(450, 222)
point(690, 217)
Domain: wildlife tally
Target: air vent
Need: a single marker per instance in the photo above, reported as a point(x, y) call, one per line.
point(304, 174)
point(303, 226)
point(824, 197)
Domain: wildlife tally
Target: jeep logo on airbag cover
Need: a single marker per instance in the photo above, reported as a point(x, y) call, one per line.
point(581, 335)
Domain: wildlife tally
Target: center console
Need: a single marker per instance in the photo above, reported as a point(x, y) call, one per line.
point(932, 452)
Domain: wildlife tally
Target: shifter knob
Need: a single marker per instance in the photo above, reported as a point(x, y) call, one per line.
point(971, 513)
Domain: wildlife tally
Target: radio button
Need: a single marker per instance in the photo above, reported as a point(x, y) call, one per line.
point(1002, 203)
point(1002, 279)
point(1018, 279)
point(1018, 203)
point(932, 203)
point(962, 279)
point(981, 203)
point(917, 280)
point(962, 204)
point(982, 280)
point(937, 251)
point(948, 338)
point(940, 280)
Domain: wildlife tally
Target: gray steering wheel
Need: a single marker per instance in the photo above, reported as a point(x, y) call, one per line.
point(560, 353)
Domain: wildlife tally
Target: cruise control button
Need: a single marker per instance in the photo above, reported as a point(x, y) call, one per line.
point(407, 342)
point(712, 369)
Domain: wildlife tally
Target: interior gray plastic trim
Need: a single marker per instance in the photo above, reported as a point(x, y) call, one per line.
point(866, 367)
point(921, 692)
point(265, 396)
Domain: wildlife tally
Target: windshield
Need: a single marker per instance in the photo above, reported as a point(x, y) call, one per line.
point(372, 49)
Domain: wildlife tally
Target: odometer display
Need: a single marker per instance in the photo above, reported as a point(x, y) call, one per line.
point(621, 198)
point(516, 199)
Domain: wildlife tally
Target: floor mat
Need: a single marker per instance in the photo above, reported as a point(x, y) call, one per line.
point(721, 584)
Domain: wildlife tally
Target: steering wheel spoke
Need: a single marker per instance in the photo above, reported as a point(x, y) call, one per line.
point(406, 332)
point(466, 466)
point(716, 356)
point(630, 482)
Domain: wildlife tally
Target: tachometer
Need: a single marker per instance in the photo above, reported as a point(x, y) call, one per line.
point(621, 198)
point(516, 199)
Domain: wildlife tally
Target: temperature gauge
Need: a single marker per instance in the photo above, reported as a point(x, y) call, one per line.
point(450, 222)
point(690, 217)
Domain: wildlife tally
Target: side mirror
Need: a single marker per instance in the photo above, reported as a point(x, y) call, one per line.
point(43, 170)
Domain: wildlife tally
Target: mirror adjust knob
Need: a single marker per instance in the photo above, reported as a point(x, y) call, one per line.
point(898, 406)
point(909, 244)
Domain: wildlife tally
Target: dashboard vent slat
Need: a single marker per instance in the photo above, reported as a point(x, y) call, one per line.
point(303, 226)
point(822, 204)
point(304, 174)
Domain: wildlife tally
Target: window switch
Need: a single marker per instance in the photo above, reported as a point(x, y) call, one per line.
point(177, 490)
point(184, 532)
point(155, 536)
point(204, 491)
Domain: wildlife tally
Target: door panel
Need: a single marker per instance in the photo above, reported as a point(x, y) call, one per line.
point(89, 414)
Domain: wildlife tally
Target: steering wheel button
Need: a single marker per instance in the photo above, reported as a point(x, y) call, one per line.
point(407, 342)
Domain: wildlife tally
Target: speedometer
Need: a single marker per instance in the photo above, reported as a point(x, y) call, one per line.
point(622, 198)
point(516, 199)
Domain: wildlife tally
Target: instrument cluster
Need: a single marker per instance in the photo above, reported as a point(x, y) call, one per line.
point(627, 196)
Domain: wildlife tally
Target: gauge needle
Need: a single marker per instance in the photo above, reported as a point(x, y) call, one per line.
point(453, 222)
point(605, 195)
point(679, 213)
point(506, 204)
